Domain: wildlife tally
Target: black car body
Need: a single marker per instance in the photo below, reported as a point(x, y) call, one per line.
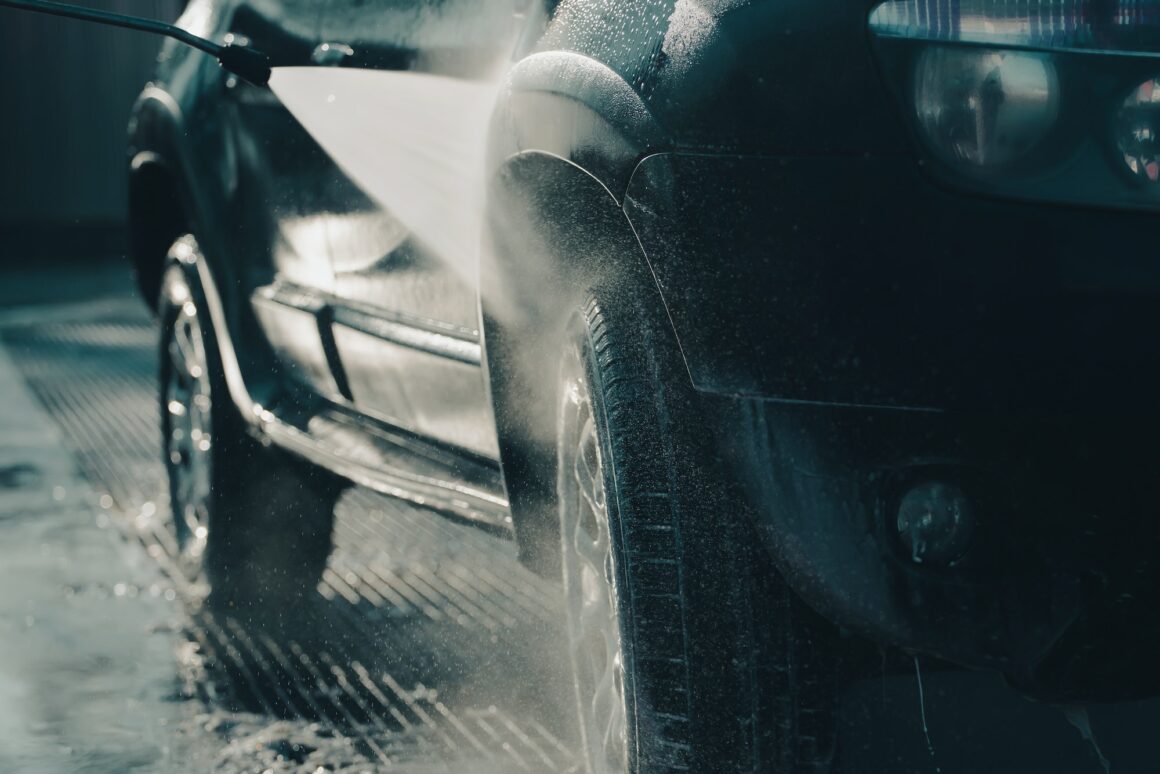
point(863, 320)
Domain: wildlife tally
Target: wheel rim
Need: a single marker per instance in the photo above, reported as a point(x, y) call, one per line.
point(189, 431)
point(594, 641)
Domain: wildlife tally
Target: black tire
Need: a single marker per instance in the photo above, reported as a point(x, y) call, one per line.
point(260, 527)
point(723, 669)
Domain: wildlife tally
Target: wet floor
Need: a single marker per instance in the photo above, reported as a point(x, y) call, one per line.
point(88, 626)
point(427, 648)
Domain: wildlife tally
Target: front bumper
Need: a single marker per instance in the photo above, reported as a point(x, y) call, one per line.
point(1059, 583)
point(858, 330)
point(857, 281)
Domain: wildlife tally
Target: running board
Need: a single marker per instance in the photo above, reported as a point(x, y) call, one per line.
point(396, 465)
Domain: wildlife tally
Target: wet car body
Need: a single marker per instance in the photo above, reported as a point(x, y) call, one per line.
point(856, 319)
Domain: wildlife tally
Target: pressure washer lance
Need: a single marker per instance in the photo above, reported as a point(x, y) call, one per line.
point(250, 65)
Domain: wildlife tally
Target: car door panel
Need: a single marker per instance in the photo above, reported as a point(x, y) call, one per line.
point(406, 311)
point(416, 375)
point(277, 201)
point(290, 318)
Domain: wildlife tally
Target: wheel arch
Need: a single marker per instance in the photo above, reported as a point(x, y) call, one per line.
point(552, 230)
point(576, 108)
point(158, 208)
point(168, 202)
point(157, 217)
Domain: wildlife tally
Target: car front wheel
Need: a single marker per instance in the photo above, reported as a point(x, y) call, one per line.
point(688, 654)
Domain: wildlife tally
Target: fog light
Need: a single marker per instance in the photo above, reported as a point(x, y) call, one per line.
point(984, 107)
point(935, 522)
point(1138, 131)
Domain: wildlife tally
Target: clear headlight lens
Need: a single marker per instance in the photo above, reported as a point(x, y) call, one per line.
point(984, 107)
point(1053, 100)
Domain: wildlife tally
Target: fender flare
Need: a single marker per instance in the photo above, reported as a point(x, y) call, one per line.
point(552, 230)
point(186, 253)
point(159, 206)
point(169, 224)
point(578, 109)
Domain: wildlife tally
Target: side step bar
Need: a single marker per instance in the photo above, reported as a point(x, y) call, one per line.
point(391, 463)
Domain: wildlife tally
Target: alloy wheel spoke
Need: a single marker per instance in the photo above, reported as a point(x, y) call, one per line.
point(190, 441)
point(593, 623)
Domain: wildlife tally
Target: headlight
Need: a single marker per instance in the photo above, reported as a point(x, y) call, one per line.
point(984, 107)
point(1054, 100)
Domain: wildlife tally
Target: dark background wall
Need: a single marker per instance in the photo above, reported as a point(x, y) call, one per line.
point(66, 88)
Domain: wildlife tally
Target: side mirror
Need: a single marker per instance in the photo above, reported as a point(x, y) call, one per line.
point(248, 64)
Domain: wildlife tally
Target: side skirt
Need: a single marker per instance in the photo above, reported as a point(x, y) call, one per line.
point(393, 463)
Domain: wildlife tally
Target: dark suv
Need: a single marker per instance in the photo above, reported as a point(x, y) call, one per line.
point(796, 328)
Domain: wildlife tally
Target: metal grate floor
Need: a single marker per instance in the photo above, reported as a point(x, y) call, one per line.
point(427, 648)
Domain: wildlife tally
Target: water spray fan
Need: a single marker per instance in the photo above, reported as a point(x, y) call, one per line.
point(247, 63)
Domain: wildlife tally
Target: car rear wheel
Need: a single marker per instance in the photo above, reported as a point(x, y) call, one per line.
point(252, 522)
point(687, 653)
